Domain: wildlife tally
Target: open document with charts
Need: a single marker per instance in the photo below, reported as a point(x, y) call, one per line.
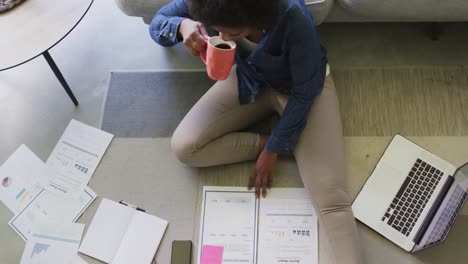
point(237, 228)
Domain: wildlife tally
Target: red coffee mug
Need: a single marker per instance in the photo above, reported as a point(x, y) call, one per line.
point(219, 57)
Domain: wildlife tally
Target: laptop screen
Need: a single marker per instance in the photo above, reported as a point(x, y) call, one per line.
point(451, 207)
point(461, 177)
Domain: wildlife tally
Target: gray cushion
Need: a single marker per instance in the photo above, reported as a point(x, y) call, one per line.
point(319, 9)
point(345, 10)
point(148, 8)
point(6, 5)
point(407, 10)
point(141, 8)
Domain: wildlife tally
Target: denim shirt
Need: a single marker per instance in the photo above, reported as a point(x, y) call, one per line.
point(289, 58)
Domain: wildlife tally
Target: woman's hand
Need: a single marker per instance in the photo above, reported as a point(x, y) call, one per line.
point(194, 35)
point(263, 174)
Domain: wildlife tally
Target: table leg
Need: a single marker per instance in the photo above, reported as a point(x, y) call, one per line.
point(59, 76)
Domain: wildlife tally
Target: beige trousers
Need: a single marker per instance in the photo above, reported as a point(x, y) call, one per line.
point(208, 136)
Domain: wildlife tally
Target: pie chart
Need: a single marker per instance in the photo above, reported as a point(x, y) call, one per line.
point(6, 182)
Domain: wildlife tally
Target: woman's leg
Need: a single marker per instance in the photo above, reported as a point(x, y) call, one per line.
point(320, 158)
point(206, 136)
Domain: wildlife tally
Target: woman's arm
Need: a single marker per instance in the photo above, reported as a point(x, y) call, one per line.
point(164, 28)
point(308, 65)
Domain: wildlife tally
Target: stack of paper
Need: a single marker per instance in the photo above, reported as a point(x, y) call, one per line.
point(20, 176)
point(54, 243)
point(75, 158)
point(55, 192)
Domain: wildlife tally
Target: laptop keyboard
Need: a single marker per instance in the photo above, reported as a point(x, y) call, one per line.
point(411, 199)
point(447, 218)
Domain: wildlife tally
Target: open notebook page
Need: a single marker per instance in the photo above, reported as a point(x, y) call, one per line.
point(103, 238)
point(141, 240)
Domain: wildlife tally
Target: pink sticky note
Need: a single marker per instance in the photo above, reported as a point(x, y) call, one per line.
point(212, 254)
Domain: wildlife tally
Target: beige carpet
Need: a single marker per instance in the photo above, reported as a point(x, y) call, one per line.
point(410, 100)
point(143, 171)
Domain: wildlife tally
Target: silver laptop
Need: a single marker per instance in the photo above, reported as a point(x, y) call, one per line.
point(412, 197)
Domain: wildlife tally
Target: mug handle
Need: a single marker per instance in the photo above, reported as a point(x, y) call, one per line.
point(202, 53)
point(203, 56)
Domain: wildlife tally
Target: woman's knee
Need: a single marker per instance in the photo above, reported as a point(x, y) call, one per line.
point(183, 148)
point(332, 200)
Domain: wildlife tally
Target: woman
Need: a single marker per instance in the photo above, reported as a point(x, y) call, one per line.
point(280, 66)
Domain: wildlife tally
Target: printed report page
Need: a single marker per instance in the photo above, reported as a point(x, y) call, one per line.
point(229, 222)
point(287, 228)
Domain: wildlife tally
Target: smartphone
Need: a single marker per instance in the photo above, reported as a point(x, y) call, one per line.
point(181, 252)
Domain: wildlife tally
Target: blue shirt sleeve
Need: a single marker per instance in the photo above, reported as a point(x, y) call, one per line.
point(308, 67)
point(164, 26)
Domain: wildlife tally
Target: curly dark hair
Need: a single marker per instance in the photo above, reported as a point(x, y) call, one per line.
point(235, 13)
